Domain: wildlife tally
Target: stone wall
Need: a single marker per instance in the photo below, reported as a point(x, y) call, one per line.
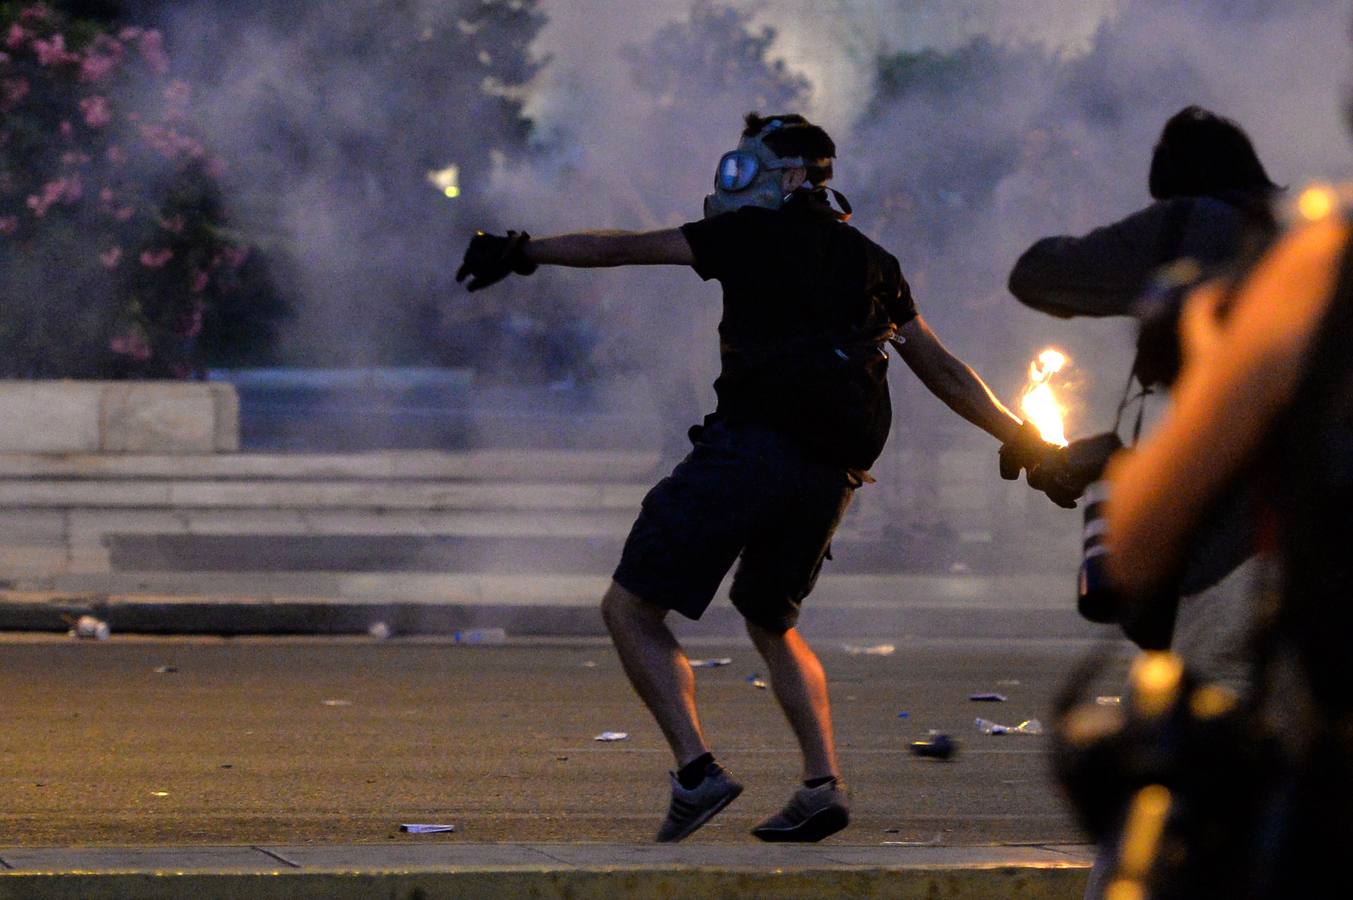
point(118, 417)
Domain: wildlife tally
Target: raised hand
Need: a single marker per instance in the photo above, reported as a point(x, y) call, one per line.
point(491, 258)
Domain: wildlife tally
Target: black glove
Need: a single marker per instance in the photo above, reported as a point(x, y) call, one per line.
point(1026, 451)
point(1065, 473)
point(490, 258)
point(1050, 477)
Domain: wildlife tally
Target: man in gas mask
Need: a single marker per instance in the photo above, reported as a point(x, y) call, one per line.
point(1211, 211)
point(809, 307)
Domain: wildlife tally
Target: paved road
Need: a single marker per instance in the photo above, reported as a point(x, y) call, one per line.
point(336, 741)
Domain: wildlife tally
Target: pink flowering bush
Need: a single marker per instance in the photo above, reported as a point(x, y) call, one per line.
point(114, 251)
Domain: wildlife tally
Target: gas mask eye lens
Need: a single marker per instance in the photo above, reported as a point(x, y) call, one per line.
point(736, 171)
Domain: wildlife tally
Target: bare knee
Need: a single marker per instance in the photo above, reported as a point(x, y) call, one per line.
point(766, 639)
point(624, 610)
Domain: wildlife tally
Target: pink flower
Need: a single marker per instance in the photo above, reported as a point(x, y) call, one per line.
point(189, 324)
point(67, 129)
point(170, 144)
point(106, 197)
point(75, 158)
point(115, 155)
point(9, 224)
point(4, 58)
point(199, 281)
point(106, 44)
point(96, 111)
point(111, 257)
point(216, 166)
point(235, 256)
point(97, 67)
point(129, 34)
point(53, 52)
point(15, 37)
point(67, 190)
point(177, 95)
point(38, 12)
point(151, 45)
point(123, 213)
point(12, 92)
point(131, 343)
point(156, 259)
point(173, 224)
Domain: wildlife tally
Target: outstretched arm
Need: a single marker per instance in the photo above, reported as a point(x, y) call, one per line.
point(597, 249)
point(949, 378)
point(490, 258)
point(1101, 273)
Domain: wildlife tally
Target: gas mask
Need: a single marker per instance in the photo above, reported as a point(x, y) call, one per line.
point(751, 175)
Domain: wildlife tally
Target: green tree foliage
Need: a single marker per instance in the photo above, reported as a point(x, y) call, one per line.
point(114, 246)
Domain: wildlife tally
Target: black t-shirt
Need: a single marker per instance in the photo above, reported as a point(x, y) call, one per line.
point(788, 274)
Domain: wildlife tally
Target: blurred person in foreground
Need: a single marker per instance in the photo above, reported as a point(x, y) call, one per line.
point(809, 307)
point(1265, 396)
point(1212, 201)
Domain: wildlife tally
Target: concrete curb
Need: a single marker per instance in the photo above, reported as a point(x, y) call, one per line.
point(1010, 882)
point(574, 871)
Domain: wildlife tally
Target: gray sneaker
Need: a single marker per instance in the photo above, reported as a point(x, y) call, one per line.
point(811, 815)
point(694, 807)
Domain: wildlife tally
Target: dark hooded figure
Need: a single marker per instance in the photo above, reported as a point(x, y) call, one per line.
point(1213, 202)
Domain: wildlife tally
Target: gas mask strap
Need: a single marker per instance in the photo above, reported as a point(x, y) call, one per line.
point(846, 210)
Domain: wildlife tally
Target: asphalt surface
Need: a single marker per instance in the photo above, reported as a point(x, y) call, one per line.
point(323, 741)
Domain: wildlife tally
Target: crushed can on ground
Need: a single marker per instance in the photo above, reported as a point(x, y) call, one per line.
point(936, 745)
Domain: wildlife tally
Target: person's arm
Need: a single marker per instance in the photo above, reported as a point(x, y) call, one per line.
point(1238, 377)
point(490, 258)
point(950, 379)
point(598, 249)
point(1103, 272)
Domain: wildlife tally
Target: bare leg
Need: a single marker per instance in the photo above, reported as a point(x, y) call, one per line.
point(657, 667)
point(800, 686)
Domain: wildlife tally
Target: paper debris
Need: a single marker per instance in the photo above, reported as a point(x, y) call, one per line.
point(412, 828)
point(869, 650)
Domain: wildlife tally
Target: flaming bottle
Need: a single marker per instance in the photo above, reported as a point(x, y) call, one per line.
point(1039, 404)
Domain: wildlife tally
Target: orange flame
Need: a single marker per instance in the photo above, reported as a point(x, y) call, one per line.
point(1039, 404)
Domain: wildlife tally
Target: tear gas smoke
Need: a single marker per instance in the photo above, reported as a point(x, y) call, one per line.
point(965, 130)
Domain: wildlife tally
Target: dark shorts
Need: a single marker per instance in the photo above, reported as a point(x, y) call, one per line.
point(743, 491)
